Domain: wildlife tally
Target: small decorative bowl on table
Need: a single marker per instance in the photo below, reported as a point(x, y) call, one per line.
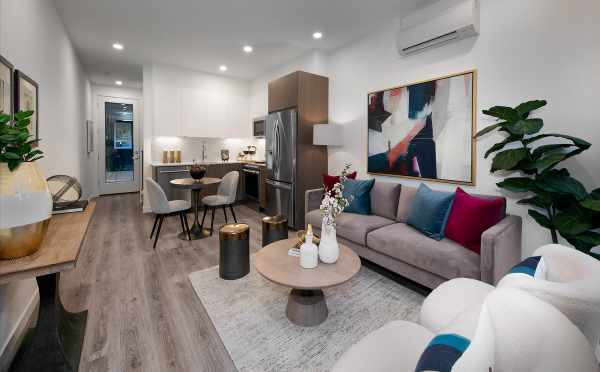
point(197, 172)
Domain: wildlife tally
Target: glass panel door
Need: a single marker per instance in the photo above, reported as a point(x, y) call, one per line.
point(120, 150)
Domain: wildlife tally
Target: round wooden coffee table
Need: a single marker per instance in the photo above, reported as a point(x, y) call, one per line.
point(306, 302)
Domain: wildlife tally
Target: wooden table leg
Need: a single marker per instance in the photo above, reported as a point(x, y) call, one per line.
point(306, 307)
point(55, 343)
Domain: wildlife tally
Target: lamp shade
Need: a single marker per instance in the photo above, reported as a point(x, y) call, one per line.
point(327, 134)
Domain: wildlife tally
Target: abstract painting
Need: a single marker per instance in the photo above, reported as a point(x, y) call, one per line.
point(424, 130)
point(26, 99)
point(6, 76)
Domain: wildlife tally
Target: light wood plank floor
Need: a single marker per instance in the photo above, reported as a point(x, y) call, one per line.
point(143, 314)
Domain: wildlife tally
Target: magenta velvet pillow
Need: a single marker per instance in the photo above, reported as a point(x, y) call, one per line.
point(470, 216)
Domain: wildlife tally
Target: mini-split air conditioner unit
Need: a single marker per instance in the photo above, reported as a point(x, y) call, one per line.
point(438, 24)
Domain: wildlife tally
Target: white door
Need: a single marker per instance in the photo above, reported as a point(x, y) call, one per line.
point(119, 145)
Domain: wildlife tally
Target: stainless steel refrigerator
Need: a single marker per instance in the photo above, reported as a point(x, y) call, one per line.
point(280, 148)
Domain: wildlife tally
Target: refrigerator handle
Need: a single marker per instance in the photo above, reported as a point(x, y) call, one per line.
point(279, 185)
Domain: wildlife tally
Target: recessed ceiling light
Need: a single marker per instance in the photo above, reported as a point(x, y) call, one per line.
point(119, 82)
point(248, 48)
point(118, 46)
point(317, 35)
point(223, 68)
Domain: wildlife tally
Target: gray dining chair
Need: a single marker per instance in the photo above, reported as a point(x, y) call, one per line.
point(162, 208)
point(224, 198)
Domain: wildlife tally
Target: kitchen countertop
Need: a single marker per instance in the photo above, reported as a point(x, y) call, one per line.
point(157, 164)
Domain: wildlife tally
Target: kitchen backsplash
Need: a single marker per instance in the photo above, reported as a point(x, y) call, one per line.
point(191, 148)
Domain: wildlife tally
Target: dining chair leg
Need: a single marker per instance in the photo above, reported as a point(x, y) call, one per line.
point(204, 216)
point(212, 220)
point(233, 213)
point(158, 231)
point(154, 226)
point(225, 213)
point(181, 220)
point(187, 226)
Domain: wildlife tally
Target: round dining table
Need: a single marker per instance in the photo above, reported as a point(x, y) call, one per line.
point(197, 231)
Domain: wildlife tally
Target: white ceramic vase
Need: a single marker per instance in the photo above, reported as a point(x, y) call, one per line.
point(25, 210)
point(329, 250)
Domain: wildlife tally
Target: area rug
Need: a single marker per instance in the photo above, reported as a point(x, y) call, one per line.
point(249, 315)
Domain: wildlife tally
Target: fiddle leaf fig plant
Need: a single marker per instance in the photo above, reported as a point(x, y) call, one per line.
point(530, 160)
point(16, 144)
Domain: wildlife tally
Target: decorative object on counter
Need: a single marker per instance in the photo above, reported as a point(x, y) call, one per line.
point(435, 138)
point(274, 228)
point(309, 253)
point(197, 172)
point(241, 156)
point(6, 86)
point(25, 200)
point(165, 156)
point(171, 156)
point(177, 156)
point(26, 100)
point(66, 192)
point(225, 155)
point(332, 205)
point(234, 252)
point(558, 201)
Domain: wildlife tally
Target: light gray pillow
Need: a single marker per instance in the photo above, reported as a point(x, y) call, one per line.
point(407, 194)
point(384, 199)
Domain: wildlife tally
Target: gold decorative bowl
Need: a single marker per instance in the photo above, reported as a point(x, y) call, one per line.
point(301, 235)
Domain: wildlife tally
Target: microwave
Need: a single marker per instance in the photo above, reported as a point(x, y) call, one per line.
point(258, 127)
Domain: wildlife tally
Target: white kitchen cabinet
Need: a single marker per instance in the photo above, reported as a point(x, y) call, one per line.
point(167, 110)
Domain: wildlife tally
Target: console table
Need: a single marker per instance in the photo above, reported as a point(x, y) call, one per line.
point(55, 343)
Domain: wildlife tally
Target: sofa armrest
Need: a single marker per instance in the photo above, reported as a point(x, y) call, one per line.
point(500, 248)
point(312, 199)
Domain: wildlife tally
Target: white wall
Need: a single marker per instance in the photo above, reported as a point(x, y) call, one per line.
point(535, 49)
point(314, 62)
point(33, 38)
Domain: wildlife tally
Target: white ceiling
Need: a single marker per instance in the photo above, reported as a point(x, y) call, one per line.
point(203, 34)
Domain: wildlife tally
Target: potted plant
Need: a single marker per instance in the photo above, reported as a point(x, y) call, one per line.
point(332, 205)
point(557, 201)
point(25, 201)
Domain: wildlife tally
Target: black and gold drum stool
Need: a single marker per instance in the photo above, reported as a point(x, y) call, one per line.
point(274, 229)
point(234, 254)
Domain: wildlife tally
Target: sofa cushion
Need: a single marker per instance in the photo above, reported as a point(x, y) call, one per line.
point(470, 216)
point(351, 226)
point(429, 211)
point(358, 194)
point(444, 258)
point(407, 194)
point(384, 199)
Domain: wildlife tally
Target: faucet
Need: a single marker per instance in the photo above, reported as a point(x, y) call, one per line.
point(203, 151)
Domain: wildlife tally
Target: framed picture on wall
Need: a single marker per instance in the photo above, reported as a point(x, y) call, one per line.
point(26, 99)
point(6, 86)
point(425, 130)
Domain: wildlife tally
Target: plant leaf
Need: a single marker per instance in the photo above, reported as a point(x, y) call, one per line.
point(595, 193)
point(560, 182)
point(517, 184)
point(571, 222)
point(576, 141)
point(525, 126)
point(549, 161)
point(535, 201)
point(488, 129)
point(526, 107)
point(502, 112)
point(507, 159)
point(541, 150)
point(22, 115)
point(593, 204)
point(540, 218)
point(500, 145)
point(11, 156)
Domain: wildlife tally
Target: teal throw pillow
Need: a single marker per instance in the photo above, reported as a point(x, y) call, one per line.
point(358, 193)
point(429, 211)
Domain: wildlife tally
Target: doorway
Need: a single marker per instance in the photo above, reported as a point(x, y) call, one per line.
point(119, 155)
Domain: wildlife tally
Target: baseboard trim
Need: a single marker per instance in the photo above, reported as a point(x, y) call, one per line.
point(27, 320)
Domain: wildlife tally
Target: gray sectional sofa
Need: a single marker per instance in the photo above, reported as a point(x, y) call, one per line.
point(384, 238)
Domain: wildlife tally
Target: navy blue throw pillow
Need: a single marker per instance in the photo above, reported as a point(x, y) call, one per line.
point(442, 352)
point(429, 211)
point(358, 193)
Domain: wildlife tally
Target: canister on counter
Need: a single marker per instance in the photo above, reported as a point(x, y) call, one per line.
point(177, 156)
point(165, 156)
point(171, 156)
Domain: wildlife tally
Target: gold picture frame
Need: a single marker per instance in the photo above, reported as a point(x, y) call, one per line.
point(388, 136)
